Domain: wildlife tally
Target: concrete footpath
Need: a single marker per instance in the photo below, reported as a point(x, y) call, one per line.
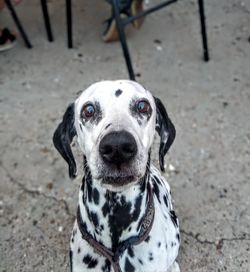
point(209, 103)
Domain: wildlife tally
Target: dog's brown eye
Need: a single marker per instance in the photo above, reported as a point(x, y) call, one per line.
point(143, 106)
point(88, 110)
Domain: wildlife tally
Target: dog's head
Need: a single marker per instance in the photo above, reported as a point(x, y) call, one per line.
point(114, 122)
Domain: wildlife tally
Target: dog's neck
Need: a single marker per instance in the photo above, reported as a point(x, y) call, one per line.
point(112, 217)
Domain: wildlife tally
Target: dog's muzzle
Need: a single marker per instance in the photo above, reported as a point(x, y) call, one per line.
point(118, 150)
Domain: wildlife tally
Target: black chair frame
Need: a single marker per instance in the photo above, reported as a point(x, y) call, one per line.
point(20, 27)
point(121, 23)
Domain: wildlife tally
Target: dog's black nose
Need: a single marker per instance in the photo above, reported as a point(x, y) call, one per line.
point(118, 147)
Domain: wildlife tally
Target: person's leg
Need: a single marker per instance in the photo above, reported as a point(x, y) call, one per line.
point(126, 8)
point(124, 5)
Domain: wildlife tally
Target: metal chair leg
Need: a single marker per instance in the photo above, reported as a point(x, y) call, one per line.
point(203, 30)
point(47, 20)
point(69, 23)
point(18, 23)
point(123, 41)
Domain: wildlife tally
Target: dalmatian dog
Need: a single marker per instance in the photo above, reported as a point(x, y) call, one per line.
point(125, 218)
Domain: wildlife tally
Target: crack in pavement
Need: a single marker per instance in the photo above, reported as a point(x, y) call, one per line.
point(218, 243)
point(35, 192)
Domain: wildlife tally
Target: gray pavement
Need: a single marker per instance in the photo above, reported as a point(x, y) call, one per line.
point(208, 165)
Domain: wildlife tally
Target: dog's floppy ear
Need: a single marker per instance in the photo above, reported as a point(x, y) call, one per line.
point(166, 130)
point(63, 137)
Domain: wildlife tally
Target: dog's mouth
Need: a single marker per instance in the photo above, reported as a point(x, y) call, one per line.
point(119, 180)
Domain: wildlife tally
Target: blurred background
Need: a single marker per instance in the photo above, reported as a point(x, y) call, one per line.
point(209, 103)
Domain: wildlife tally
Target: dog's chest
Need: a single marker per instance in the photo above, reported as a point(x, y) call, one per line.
point(156, 253)
point(159, 249)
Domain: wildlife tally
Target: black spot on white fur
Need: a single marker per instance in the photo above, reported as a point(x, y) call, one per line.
point(90, 261)
point(150, 258)
point(96, 196)
point(106, 266)
point(118, 93)
point(174, 218)
point(80, 126)
point(121, 214)
point(131, 252)
point(128, 266)
point(140, 261)
point(108, 126)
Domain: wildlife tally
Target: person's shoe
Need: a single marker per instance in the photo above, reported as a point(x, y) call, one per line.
point(7, 40)
point(111, 33)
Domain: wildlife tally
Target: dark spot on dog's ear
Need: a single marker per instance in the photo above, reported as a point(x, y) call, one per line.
point(118, 93)
point(128, 266)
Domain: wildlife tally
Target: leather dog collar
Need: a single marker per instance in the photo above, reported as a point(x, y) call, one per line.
point(113, 257)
